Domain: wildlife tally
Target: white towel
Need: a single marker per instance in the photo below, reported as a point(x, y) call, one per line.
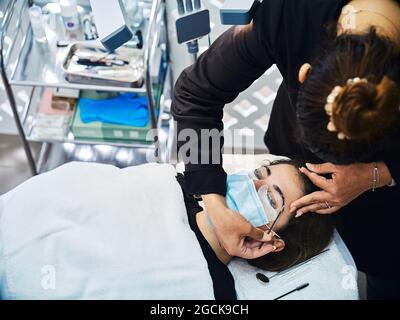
point(92, 231)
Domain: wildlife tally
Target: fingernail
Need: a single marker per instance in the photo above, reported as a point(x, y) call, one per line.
point(270, 237)
point(309, 165)
point(298, 214)
point(273, 248)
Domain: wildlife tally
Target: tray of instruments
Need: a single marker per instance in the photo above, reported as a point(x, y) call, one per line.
point(90, 63)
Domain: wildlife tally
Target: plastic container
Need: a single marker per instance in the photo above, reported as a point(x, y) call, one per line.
point(70, 15)
point(35, 17)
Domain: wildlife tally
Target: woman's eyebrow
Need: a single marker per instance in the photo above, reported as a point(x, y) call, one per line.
point(268, 170)
point(277, 189)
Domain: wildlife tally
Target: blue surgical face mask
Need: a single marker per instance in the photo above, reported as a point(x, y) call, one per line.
point(243, 197)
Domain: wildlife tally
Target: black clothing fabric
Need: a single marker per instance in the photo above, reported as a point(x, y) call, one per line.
point(287, 33)
point(382, 289)
point(224, 284)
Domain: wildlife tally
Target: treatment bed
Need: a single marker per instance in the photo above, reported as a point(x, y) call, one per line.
point(99, 237)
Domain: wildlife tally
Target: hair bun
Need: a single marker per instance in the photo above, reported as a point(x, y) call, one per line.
point(364, 111)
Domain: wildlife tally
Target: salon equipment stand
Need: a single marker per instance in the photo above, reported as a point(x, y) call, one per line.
point(37, 66)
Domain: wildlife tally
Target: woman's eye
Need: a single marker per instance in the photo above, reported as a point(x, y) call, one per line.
point(271, 200)
point(257, 174)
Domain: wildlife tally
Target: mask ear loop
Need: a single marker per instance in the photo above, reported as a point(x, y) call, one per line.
point(273, 225)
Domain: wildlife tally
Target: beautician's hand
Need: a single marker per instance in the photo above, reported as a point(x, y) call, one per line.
point(347, 183)
point(233, 231)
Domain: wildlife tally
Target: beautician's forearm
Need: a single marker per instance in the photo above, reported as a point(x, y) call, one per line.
point(213, 199)
point(214, 204)
point(365, 176)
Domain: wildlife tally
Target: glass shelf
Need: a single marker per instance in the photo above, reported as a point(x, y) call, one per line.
point(40, 64)
point(31, 64)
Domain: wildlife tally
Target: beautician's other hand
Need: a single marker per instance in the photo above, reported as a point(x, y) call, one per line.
point(233, 231)
point(347, 183)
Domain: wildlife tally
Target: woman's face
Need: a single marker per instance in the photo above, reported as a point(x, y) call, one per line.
point(284, 186)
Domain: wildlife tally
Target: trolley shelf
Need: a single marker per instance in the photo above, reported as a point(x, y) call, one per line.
point(37, 65)
point(40, 64)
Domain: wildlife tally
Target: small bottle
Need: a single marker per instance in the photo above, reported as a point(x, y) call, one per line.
point(70, 15)
point(35, 16)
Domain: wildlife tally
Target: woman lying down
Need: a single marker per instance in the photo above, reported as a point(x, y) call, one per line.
point(91, 231)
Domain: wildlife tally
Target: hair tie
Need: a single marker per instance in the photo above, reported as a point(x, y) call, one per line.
point(329, 106)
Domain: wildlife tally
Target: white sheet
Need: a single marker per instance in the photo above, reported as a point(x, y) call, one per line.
point(91, 231)
point(114, 195)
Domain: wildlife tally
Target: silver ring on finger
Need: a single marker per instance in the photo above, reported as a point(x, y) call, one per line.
point(327, 205)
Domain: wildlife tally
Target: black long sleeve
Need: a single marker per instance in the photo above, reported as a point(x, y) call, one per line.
point(223, 282)
point(393, 164)
point(234, 61)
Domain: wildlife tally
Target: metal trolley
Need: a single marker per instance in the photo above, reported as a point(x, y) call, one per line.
point(36, 69)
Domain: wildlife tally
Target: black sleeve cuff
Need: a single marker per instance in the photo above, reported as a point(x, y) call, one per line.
point(394, 168)
point(206, 181)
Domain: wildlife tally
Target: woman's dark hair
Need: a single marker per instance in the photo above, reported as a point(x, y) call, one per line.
point(367, 112)
point(304, 237)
